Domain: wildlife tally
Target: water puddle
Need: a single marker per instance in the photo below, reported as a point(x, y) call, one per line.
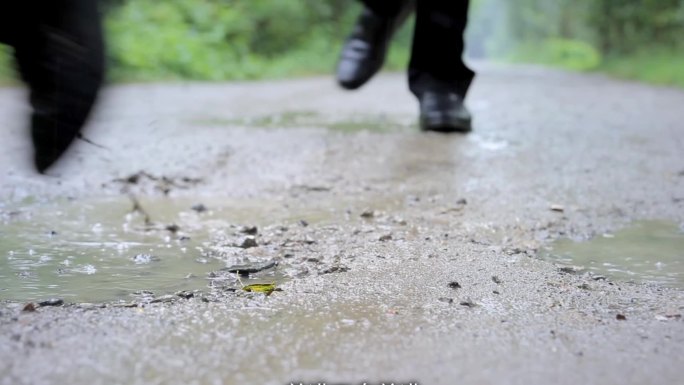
point(99, 251)
point(647, 251)
point(104, 249)
point(313, 119)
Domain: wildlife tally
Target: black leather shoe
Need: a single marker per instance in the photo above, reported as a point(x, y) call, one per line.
point(364, 52)
point(444, 112)
point(50, 141)
point(62, 61)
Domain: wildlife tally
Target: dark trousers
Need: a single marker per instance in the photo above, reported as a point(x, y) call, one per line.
point(58, 47)
point(436, 55)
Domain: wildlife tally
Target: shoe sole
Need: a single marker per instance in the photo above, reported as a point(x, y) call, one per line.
point(354, 83)
point(351, 85)
point(446, 125)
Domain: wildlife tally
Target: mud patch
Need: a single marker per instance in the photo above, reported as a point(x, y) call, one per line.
point(313, 119)
point(121, 248)
point(647, 251)
point(96, 252)
point(104, 250)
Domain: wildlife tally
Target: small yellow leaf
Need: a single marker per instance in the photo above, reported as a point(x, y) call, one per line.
point(266, 288)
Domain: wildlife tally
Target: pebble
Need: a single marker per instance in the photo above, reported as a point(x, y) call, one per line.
point(164, 299)
point(571, 269)
point(468, 303)
point(333, 269)
point(199, 208)
point(250, 230)
point(368, 214)
point(52, 302)
point(557, 208)
point(250, 268)
point(248, 242)
point(185, 294)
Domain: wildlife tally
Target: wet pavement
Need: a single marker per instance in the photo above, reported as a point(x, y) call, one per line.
point(401, 256)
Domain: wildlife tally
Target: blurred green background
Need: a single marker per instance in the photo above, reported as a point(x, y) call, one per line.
point(636, 39)
point(257, 39)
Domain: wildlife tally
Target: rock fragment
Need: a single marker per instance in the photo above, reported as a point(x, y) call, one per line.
point(557, 208)
point(368, 214)
point(251, 268)
point(248, 242)
point(385, 238)
point(52, 302)
point(249, 230)
point(199, 208)
point(468, 303)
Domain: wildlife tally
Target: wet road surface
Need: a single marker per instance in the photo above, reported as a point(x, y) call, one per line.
point(402, 256)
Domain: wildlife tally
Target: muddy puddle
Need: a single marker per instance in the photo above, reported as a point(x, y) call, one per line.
point(102, 250)
point(110, 248)
point(314, 119)
point(646, 251)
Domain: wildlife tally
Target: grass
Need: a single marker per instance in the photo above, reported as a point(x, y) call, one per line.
point(7, 72)
point(655, 66)
point(572, 55)
point(658, 65)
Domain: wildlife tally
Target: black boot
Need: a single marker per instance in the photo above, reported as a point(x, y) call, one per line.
point(364, 52)
point(59, 50)
point(443, 112)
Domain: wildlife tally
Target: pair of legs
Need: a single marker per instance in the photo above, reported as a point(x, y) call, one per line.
point(437, 75)
point(58, 47)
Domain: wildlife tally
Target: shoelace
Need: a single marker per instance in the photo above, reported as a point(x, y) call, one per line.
point(83, 138)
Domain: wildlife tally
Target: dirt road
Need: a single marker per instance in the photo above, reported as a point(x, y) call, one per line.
point(403, 256)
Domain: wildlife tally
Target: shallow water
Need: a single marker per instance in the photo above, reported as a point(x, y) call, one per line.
point(646, 251)
point(100, 250)
point(313, 119)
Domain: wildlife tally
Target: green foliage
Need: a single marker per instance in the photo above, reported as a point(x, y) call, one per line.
point(229, 39)
point(178, 38)
point(565, 53)
point(6, 67)
point(625, 26)
point(639, 39)
point(249, 39)
point(657, 66)
point(612, 26)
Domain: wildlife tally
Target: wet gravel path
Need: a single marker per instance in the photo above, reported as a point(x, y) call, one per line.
point(408, 256)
